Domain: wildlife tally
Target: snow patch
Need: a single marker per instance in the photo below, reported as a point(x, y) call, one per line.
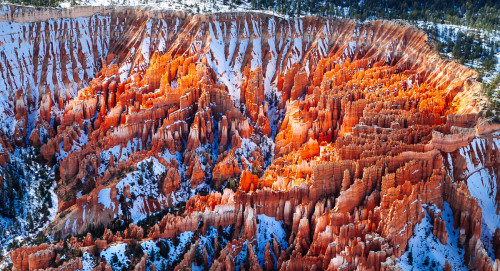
point(115, 256)
point(426, 252)
point(104, 198)
point(267, 229)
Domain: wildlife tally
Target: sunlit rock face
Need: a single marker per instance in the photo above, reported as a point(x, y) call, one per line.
point(306, 143)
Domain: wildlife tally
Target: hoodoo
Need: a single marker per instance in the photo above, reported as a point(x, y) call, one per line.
point(247, 141)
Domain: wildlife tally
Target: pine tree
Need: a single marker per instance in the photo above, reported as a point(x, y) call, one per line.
point(152, 257)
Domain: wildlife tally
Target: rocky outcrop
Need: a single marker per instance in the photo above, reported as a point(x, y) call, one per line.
point(33, 258)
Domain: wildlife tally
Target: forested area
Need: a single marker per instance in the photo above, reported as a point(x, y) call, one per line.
point(37, 3)
point(483, 14)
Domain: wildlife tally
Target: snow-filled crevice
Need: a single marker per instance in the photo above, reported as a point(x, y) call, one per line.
point(481, 179)
point(267, 230)
point(26, 69)
point(142, 185)
point(425, 251)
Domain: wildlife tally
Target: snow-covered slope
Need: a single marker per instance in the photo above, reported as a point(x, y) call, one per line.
point(476, 166)
point(425, 251)
point(57, 56)
point(29, 203)
point(482, 179)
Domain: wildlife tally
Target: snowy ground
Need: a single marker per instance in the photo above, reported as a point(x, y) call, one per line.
point(268, 229)
point(18, 45)
point(240, 258)
point(197, 6)
point(118, 153)
point(143, 184)
point(424, 248)
point(173, 250)
point(77, 145)
point(425, 251)
point(115, 256)
point(482, 183)
point(165, 253)
point(88, 263)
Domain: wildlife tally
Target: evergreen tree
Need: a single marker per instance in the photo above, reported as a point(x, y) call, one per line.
point(253, 4)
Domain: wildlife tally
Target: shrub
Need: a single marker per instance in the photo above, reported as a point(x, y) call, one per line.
point(164, 248)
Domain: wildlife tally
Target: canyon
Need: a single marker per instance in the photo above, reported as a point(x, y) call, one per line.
point(247, 141)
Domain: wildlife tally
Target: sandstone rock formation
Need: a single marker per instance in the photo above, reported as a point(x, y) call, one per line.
point(306, 143)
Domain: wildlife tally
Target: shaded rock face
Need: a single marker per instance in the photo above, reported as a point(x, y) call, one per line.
point(345, 133)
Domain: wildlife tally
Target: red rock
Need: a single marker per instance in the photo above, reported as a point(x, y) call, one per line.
point(248, 181)
point(439, 230)
point(252, 92)
point(268, 259)
point(133, 232)
point(447, 266)
point(226, 168)
point(101, 244)
point(88, 241)
point(171, 182)
point(310, 149)
point(41, 259)
point(32, 258)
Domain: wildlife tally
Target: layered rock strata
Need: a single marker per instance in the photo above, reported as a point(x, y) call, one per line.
point(347, 134)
